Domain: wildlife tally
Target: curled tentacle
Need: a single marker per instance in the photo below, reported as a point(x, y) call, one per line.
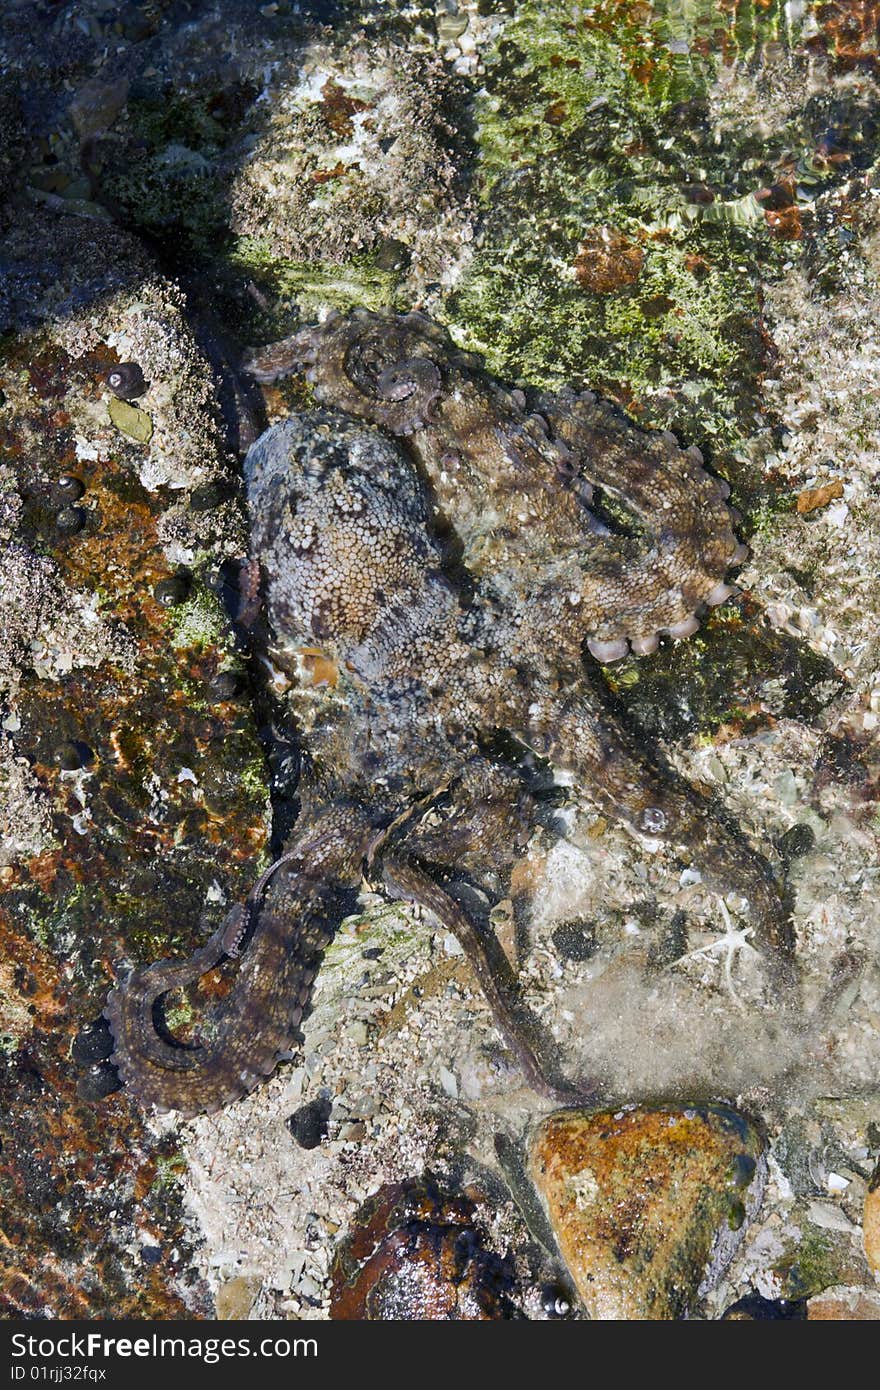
point(375, 366)
point(637, 588)
point(415, 384)
point(258, 1020)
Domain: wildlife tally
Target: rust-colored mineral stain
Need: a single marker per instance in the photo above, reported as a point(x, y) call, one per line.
point(325, 175)
point(556, 113)
point(338, 108)
point(785, 224)
point(848, 33)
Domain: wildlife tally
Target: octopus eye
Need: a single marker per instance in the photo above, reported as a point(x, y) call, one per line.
point(417, 376)
point(367, 360)
point(126, 380)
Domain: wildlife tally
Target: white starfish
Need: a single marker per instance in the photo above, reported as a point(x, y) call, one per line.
point(733, 943)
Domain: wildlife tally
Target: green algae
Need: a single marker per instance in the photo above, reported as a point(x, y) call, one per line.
point(820, 1260)
point(571, 140)
point(317, 285)
point(730, 673)
point(199, 622)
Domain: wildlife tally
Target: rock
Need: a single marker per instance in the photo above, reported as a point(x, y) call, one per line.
point(97, 105)
point(130, 420)
point(812, 498)
point(755, 1308)
point(415, 1254)
point(235, 1297)
point(308, 1124)
point(842, 1304)
point(647, 1205)
point(106, 690)
point(871, 1221)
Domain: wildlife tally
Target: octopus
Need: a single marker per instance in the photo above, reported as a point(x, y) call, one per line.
point(447, 564)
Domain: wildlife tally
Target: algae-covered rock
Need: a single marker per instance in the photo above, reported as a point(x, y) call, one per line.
point(111, 850)
point(647, 1205)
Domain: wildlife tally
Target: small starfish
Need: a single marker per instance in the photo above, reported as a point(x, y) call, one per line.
point(733, 943)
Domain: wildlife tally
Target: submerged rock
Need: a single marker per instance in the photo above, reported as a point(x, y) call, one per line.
point(648, 1205)
point(415, 1253)
point(845, 1305)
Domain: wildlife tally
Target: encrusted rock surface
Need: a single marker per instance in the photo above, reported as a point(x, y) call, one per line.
point(414, 1253)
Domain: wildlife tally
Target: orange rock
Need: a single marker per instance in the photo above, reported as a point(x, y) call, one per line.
point(647, 1205)
point(814, 497)
point(871, 1221)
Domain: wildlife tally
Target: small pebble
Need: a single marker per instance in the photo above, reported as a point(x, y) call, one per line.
point(70, 757)
point(413, 1254)
point(392, 255)
point(68, 489)
point(126, 380)
point(797, 841)
point(451, 26)
point(575, 940)
point(94, 1043)
point(225, 685)
point(70, 520)
point(308, 1125)
point(130, 420)
point(208, 496)
point(99, 1081)
point(236, 1297)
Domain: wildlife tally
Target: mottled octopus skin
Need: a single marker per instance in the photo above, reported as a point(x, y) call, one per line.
point(432, 543)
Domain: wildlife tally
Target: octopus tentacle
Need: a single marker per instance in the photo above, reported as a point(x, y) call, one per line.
point(372, 365)
point(636, 590)
point(658, 805)
point(488, 458)
point(404, 879)
point(258, 1020)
